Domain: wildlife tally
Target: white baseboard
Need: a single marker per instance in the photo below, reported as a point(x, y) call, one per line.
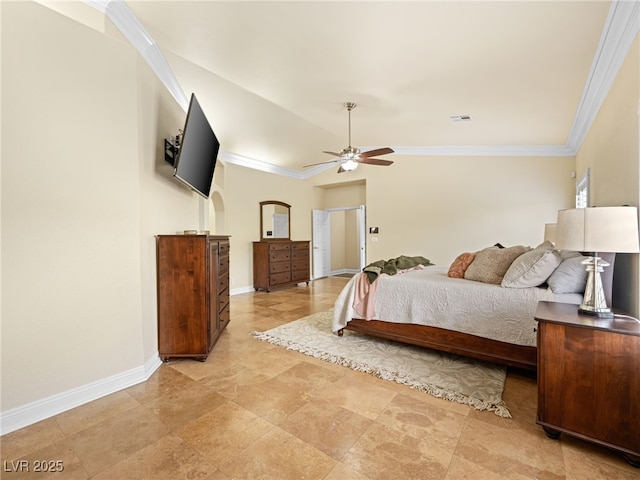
point(344, 271)
point(33, 412)
point(240, 290)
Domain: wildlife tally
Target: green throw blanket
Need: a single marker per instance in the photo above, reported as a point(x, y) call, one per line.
point(393, 266)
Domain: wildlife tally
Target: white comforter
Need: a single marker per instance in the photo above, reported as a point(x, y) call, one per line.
point(430, 297)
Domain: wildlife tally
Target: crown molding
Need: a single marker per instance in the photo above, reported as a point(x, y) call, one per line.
point(123, 18)
point(100, 5)
point(619, 32)
point(249, 162)
point(486, 150)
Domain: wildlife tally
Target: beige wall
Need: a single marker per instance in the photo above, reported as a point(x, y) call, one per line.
point(438, 207)
point(351, 249)
point(84, 192)
point(610, 151)
point(338, 225)
point(245, 188)
point(70, 210)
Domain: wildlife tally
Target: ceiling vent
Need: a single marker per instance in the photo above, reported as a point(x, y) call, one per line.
point(460, 118)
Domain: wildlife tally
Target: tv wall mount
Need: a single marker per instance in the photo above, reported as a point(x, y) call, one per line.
point(172, 147)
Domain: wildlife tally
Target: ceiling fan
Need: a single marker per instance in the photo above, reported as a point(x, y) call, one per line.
point(350, 157)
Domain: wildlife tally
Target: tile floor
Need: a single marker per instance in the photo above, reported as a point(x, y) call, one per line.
point(257, 411)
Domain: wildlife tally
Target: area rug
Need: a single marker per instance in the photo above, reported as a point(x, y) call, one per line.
point(460, 379)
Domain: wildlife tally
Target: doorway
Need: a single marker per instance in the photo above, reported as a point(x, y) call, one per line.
point(338, 241)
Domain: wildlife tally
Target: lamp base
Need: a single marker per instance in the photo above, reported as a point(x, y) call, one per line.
point(595, 313)
point(594, 302)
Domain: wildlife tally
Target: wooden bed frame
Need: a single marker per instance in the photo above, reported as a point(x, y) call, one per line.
point(512, 355)
point(448, 341)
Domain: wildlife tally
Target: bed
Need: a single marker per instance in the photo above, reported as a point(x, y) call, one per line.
point(487, 321)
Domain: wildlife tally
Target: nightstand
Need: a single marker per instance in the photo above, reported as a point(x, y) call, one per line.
point(589, 378)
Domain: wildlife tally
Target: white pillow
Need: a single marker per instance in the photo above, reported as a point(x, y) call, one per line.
point(531, 269)
point(569, 277)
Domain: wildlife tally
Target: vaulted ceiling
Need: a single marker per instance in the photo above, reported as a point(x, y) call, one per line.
point(273, 76)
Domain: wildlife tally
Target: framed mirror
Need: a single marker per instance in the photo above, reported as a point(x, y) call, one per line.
point(275, 220)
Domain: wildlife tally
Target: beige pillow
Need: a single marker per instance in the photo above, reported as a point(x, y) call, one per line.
point(460, 265)
point(531, 269)
point(492, 263)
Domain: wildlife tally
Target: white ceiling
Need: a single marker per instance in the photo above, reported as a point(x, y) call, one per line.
point(273, 76)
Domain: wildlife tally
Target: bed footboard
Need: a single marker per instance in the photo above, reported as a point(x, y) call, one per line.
point(449, 341)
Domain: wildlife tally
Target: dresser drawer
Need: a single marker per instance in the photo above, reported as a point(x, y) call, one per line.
point(223, 300)
point(300, 254)
point(277, 278)
point(277, 267)
point(300, 276)
point(223, 282)
point(225, 316)
point(302, 264)
point(279, 256)
point(223, 248)
point(274, 247)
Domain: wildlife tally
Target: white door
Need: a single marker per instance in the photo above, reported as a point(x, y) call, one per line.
point(321, 244)
point(362, 240)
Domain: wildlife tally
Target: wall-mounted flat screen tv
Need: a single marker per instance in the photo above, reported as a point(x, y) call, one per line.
point(198, 153)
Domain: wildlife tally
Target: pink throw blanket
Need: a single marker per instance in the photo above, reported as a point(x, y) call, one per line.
point(365, 293)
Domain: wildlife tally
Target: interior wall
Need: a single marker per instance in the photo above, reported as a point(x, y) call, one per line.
point(611, 152)
point(352, 247)
point(338, 225)
point(438, 207)
point(245, 188)
point(85, 190)
point(70, 210)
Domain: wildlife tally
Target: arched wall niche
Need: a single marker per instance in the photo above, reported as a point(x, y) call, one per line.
point(217, 218)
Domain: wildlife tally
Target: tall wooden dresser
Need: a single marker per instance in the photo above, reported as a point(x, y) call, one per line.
point(193, 293)
point(280, 263)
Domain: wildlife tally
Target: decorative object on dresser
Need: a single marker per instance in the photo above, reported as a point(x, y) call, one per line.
point(193, 293)
point(589, 377)
point(597, 229)
point(278, 261)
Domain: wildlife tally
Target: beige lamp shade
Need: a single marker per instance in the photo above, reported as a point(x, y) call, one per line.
point(598, 229)
point(550, 232)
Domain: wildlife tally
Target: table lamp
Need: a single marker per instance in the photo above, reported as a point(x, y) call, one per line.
point(550, 232)
point(592, 230)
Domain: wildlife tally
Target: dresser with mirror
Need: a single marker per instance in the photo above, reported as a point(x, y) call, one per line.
point(278, 261)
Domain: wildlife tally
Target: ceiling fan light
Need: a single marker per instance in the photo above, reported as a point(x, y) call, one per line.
point(349, 165)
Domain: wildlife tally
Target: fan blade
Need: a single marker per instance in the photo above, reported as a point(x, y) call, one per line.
point(321, 163)
point(332, 153)
point(375, 161)
point(373, 153)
